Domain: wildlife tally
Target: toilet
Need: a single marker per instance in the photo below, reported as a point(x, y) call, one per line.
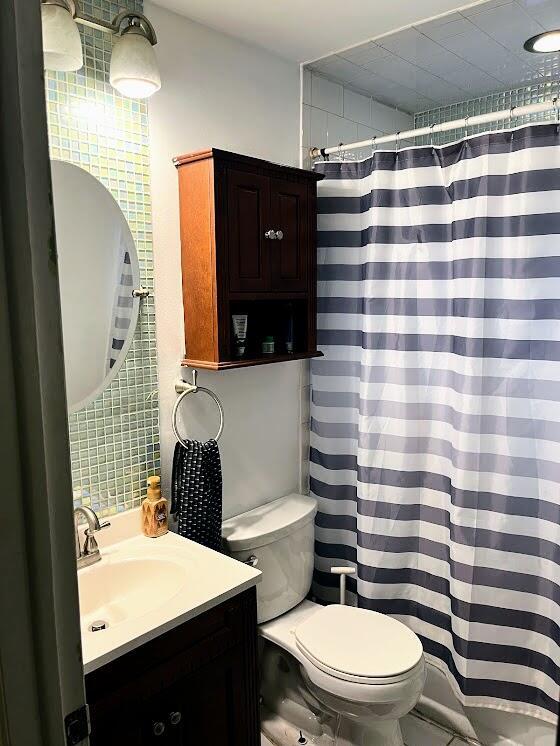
point(330, 674)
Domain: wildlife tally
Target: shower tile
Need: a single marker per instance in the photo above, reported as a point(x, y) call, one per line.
point(327, 95)
point(495, 102)
point(306, 124)
point(357, 107)
point(340, 130)
point(306, 87)
point(318, 135)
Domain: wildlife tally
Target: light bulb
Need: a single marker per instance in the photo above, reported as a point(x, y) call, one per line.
point(62, 46)
point(549, 41)
point(134, 71)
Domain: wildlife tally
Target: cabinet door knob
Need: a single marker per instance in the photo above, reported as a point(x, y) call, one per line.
point(279, 235)
point(158, 728)
point(175, 718)
point(270, 234)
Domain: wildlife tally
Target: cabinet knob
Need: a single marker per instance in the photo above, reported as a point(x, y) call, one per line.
point(175, 718)
point(158, 728)
point(270, 234)
point(279, 235)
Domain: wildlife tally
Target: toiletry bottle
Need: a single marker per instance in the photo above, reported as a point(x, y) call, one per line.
point(268, 345)
point(154, 510)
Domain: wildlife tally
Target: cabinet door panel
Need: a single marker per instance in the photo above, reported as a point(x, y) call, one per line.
point(248, 212)
point(213, 705)
point(288, 255)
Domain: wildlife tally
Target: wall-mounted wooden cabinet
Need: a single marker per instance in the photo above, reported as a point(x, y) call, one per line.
point(248, 238)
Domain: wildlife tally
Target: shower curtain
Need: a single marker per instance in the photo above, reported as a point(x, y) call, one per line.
point(435, 436)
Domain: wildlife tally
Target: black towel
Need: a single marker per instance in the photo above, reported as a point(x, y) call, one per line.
point(197, 492)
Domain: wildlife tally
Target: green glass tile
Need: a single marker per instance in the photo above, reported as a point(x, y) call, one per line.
point(532, 94)
point(91, 125)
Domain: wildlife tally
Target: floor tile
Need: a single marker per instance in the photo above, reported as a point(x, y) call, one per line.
point(416, 732)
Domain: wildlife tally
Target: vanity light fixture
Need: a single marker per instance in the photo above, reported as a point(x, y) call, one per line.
point(547, 41)
point(133, 71)
point(62, 46)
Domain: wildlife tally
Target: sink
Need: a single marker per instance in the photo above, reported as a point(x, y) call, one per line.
point(114, 592)
point(142, 587)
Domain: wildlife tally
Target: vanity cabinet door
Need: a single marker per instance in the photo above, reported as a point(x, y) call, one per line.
point(289, 251)
point(248, 202)
point(196, 684)
point(211, 706)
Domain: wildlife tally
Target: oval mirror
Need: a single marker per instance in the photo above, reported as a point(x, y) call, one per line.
point(98, 271)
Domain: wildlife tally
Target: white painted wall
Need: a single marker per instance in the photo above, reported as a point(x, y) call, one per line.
point(218, 91)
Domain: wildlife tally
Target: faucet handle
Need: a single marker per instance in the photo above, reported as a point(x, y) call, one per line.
point(90, 543)
point(91, 531)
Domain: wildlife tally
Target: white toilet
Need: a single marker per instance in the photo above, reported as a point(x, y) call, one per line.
point(330, 674)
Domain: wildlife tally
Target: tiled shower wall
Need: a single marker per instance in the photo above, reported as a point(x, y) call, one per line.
point(333, 113)
point(495, 102)
point(114, 442)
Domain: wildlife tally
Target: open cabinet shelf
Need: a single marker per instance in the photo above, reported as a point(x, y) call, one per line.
point(247, 362)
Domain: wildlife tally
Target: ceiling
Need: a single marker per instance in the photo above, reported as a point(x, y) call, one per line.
point(304, 30)
point(459, 56)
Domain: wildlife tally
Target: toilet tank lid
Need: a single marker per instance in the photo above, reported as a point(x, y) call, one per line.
point(269, 522)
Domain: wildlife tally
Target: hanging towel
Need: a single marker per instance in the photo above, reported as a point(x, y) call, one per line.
point(197, 492)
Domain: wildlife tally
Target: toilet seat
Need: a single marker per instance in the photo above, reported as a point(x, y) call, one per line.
point(282, 632)
point(358, 645)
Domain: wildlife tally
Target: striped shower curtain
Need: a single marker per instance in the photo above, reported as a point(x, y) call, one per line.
point(435, 444)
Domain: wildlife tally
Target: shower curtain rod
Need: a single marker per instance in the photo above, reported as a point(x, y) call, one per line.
point(495, 116)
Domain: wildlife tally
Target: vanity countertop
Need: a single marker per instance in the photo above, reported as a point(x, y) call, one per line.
point(145, 587)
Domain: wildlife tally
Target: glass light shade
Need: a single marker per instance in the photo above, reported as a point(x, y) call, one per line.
point(134, 71)
point(549, 41)
point(62, 46)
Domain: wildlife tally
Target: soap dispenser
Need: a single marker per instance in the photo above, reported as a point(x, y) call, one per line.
point(155, 513)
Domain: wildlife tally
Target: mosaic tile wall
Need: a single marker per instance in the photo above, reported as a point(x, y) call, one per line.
point(531, 94)
point(114, 441)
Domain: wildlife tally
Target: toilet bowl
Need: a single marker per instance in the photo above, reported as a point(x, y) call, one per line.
point(345, 675)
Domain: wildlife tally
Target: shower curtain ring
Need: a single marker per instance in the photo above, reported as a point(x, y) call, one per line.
point(397, 139)
point(466, 127)
point(340, 153)
point(557, 109)
point(511, 115)
point(373, 145)
point(432, 135)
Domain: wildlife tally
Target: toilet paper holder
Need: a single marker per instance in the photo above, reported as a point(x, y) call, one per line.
point(343, 572)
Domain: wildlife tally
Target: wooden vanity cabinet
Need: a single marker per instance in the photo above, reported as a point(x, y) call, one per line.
point(194, 684)
point(248, 245)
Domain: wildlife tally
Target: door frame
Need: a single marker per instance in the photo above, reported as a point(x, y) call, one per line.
point(41, 673)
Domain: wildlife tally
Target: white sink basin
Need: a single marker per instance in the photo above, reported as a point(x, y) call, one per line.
point(143, 587)
point(114, 592)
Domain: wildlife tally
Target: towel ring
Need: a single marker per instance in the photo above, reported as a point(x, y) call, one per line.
point(183, 388)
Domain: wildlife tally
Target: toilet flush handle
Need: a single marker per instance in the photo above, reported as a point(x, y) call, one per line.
point(343, 572)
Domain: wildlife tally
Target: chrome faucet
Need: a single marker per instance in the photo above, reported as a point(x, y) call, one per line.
point(90, 552)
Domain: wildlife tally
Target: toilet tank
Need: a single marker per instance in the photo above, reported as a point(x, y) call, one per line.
point(278, 539)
